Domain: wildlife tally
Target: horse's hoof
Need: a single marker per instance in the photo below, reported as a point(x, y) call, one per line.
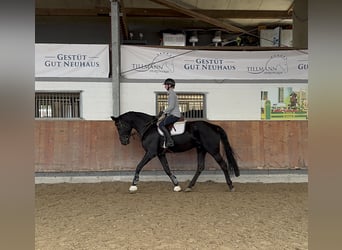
point(133, 189)
point(232, 189)
point(177, 189)
point(188, 189)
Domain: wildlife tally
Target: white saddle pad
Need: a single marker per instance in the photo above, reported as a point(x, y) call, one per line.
point(178, 128)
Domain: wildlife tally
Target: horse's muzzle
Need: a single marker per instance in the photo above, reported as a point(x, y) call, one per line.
point(124, 140)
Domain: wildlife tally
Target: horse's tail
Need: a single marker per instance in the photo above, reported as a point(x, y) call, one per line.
point(233, 166)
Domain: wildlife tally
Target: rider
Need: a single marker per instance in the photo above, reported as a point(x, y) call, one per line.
point(171, 114)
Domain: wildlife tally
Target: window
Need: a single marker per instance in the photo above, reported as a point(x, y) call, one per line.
point(57, 105)
point(264, 98)
point(264, 95)
point(191, 104)
point(281, 95)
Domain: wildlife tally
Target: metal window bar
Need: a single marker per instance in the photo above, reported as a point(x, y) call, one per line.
point(191, 105)
point(57, 105)
point(281, 94)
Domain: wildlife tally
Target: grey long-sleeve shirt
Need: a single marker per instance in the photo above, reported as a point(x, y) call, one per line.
point(173, 106)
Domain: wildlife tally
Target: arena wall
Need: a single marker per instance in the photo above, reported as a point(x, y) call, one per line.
point(90, 142)
point(94, 146)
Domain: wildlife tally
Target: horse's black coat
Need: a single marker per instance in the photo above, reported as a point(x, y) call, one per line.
point(202, 135)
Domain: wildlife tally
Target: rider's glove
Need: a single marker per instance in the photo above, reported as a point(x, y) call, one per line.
point(160, 114)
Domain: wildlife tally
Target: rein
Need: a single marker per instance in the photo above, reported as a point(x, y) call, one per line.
point(147, 126)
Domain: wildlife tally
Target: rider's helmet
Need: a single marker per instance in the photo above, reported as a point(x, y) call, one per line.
point(170, 81)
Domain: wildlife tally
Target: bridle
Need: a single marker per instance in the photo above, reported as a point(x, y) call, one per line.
point(120, 124)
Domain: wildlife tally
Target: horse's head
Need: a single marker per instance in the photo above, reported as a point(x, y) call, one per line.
point(124, 129)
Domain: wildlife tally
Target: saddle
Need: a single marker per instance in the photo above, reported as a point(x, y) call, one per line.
point(176, 128)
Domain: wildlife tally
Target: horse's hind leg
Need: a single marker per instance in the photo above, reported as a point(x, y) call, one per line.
point(219, 159)
point(167, 170)
point(200, 167)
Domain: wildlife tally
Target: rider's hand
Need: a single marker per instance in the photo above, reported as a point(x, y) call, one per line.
point(160, 114)
point(161, 117)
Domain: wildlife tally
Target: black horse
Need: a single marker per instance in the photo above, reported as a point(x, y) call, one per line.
point(202, 135)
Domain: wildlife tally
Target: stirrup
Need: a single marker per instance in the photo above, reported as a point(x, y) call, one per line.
point(168, 145)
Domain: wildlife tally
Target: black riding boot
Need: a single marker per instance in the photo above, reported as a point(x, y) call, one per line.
point(168, 140)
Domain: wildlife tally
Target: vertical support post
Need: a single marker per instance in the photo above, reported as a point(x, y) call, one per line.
point(300, 24)
point(115, 31)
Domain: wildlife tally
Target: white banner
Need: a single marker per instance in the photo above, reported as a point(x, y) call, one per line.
point(158, 63)
point(72, 60)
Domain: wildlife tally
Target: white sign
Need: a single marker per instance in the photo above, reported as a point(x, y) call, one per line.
point(72, 60)
point(173, 39)
point(158, 63)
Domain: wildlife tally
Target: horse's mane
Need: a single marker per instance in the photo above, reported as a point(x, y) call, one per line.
point(139, 115)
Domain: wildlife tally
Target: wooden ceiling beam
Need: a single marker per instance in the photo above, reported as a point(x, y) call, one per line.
point(199, 16)
point(142, 12)
point(71, 12)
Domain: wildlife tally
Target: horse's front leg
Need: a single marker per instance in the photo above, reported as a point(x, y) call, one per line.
point(167, 170)
point(147, 157)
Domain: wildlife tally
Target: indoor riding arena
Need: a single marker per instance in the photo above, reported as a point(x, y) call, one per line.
point(240, 66)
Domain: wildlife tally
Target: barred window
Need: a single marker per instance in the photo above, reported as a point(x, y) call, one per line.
point(57, 105)
point(281, 95)
point(191, 104)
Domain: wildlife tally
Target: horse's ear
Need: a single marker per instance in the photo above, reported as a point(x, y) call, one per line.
point(114, 118)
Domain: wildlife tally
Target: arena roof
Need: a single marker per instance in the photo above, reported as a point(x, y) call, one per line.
point(233, 16)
